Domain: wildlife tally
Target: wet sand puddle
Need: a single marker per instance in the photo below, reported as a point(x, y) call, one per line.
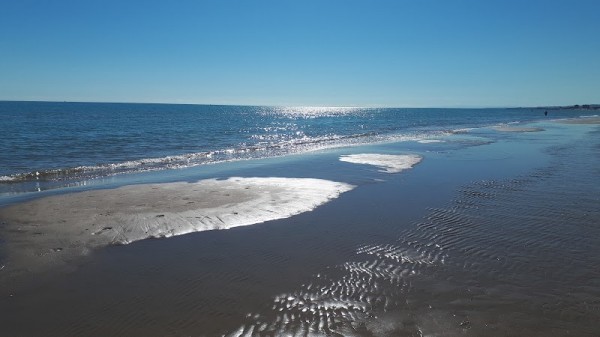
point(515, 257)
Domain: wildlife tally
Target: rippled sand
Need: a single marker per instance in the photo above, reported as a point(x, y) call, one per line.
point(496, 261)
point(504, 257)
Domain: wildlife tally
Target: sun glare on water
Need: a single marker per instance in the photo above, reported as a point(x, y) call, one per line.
point(313, 112)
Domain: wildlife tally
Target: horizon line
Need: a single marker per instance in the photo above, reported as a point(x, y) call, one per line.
point(314, 106)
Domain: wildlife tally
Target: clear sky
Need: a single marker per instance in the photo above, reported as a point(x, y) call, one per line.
point(417, 53)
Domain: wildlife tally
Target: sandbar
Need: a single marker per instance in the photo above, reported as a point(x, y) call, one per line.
point(583, 120)
point(506, 128)
point(390, 163)
point(61, 226)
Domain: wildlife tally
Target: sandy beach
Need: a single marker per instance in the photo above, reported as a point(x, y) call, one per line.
point(461, 236)
point(48, 230)
point(581, 121)
point(300, 169)
point(508, 128)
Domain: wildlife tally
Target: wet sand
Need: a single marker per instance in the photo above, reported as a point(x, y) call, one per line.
point(51, 230)
point(507, 128)
point(386, 162)
point(581, 121)
point(466, 243)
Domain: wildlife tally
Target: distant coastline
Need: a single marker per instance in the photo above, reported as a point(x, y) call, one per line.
point(549, 107)
point(572, 107)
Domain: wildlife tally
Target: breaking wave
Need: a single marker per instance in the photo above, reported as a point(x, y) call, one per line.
point(262, 149)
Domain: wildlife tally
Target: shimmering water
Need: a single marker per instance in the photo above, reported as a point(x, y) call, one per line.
point(491, 234)
point(43, 142)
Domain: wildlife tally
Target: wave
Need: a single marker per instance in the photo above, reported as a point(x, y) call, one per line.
point(243, 152)
point(92, 171)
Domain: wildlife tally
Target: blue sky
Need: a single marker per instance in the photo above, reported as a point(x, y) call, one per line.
point(418, 53)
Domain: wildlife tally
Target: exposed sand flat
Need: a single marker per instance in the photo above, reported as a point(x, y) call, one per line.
point(461, 131)
point(584, 120)
point(506, 128)
point(70, 225)
point(429, 141)
point(390, 163)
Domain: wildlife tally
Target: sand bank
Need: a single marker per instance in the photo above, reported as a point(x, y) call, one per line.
point(73, 224)
point(387, 162)
point(429, 141)
point(507, 128)
point(583, 120)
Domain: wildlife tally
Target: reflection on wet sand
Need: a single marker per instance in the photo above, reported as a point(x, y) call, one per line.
point(511, 257)
point(515, 256)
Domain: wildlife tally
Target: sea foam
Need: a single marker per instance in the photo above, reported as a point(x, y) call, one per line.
point(390, 163)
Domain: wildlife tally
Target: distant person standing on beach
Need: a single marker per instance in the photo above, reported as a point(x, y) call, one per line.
point(546, 113)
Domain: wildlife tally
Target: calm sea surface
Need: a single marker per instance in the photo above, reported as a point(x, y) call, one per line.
point(48, 141)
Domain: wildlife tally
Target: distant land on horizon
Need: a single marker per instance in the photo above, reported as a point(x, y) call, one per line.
point(576, 106)
point(548, 107)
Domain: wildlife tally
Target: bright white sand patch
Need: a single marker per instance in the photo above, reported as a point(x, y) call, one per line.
point(506, 128)
point(78, 222)
point(428, 141)
point(581, 120)
point(461, 131)
point(390, 163)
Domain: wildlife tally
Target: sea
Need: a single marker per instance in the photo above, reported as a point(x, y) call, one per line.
point(46, 145)
point(495, 232)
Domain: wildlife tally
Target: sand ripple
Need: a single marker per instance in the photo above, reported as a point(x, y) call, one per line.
point(339, 301)
point(500, 253)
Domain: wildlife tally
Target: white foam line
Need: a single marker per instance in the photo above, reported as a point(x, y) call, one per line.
point(389, 163)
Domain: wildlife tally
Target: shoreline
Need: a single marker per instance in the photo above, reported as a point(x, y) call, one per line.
point(374, 248)
point(45, 231)
point(18, 183)
point(581, 121)
point(147, 208)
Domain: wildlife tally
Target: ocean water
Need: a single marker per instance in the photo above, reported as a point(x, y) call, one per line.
point(50, 142)
point(492, 233)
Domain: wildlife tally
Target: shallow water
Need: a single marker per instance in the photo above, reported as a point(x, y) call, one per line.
point(504, 257)
point(493, 235)
point(46, 145)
